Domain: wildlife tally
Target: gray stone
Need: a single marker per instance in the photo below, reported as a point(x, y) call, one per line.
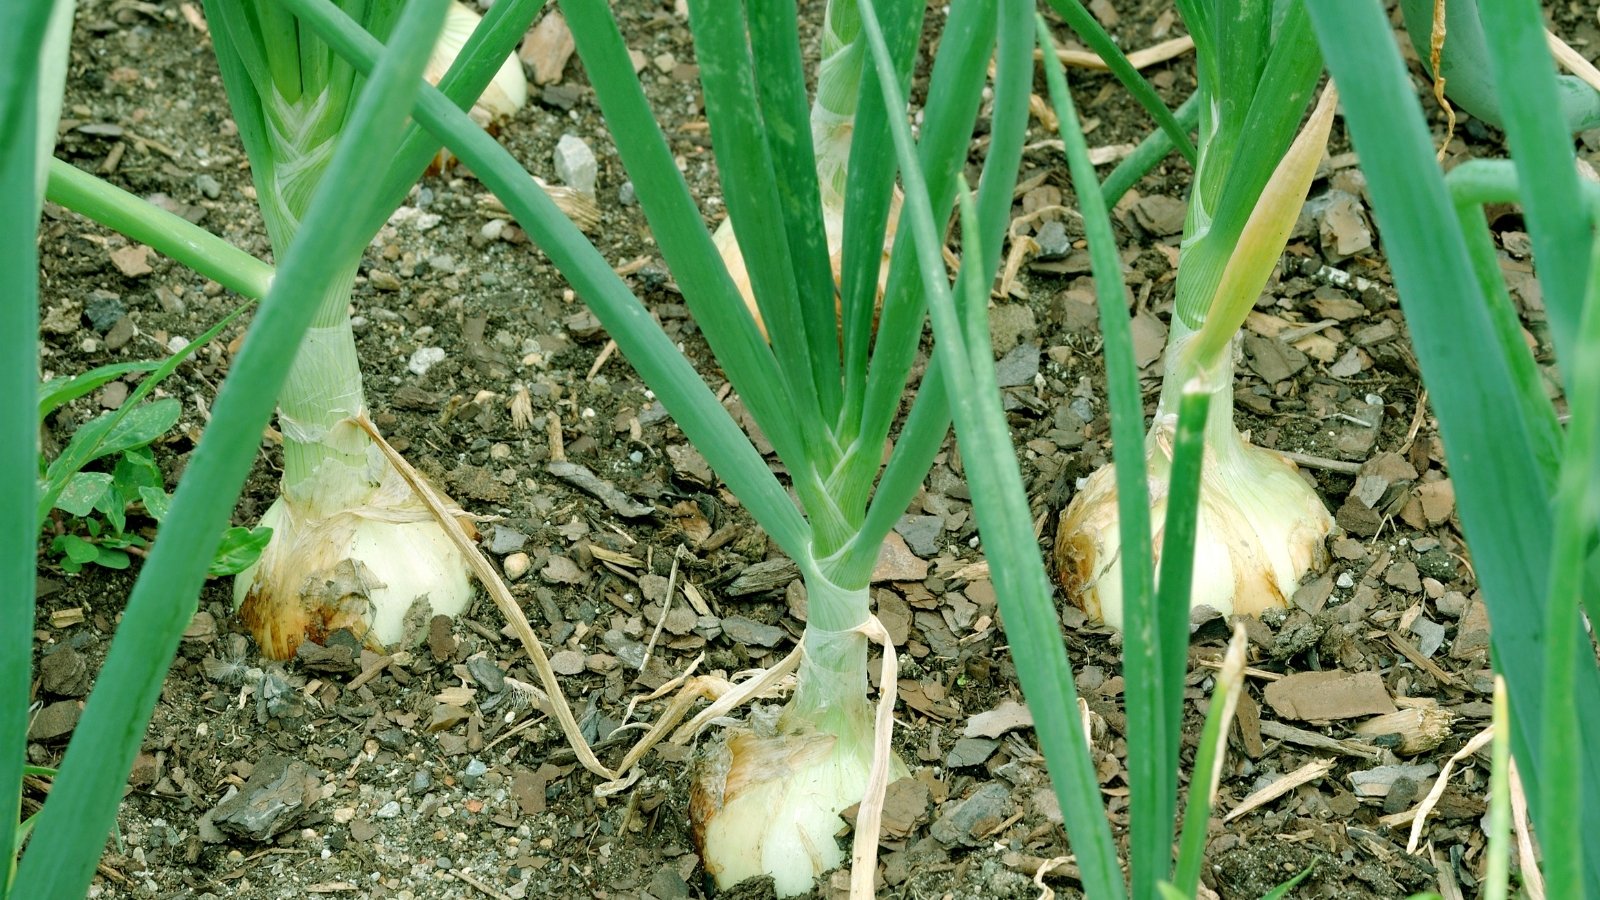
point(277, 795)
point(64, 673)
point(487, 674)
point(55, 721)
point(208, 186)
point(506, 540)
point(630, 651)
point(708, 627)
point(1018, 367)
point(1430, 635)
point(389, 810)
point(421, 781)
point(967, 821)
point(103, 309)
point(626, 195)
point(1053, 241)
point(561, 96)
point(970, 751)
point(474, 771)
point(922, 533)
point(567, 662)
point(752, 633)
point(575, 163)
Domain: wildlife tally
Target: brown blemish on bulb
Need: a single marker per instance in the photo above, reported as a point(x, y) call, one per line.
point(334, 599)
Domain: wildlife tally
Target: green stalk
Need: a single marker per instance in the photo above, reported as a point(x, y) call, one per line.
point(1577, 515)
point(20, 44)
point(1239, 150)
point(290, 122)
point(171, 235)
point(1499, 826)
point(327, 467)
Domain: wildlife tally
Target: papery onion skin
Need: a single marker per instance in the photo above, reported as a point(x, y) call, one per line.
point(769, 805)
point(380, 570)
point(1260, 530)
point(765, 797)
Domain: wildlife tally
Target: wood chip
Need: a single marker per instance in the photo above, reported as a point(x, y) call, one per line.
point(612, 556)
point(132, 261)
point(1410, 652)
point(1316, 741)
point(61, 618)
point(993, 723)
point(1326, 696)
point(1311, 771)
point(581, 477)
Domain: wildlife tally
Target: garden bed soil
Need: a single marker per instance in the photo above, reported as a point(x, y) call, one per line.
point(427, 777)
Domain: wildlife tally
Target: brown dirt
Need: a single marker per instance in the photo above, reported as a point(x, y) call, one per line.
point(399, 812)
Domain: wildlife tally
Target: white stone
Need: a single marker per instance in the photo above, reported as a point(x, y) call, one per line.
point(575, 163)
point(424, 359)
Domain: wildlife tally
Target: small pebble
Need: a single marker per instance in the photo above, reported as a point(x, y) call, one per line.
point(474, 771)
point(388, 811)
point(1053, 241)
point(567, 662)
point(424, 359)
point(505, 540)
point(517, 565)
point(575, 164)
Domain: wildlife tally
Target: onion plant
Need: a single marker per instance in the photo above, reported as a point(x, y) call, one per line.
point(1238, 227)
point(1526, 487)
point(1261, 525)
point(827, 392)
point(70, 831)
point(352, 546)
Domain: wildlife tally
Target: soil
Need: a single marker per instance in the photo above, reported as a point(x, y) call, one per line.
point(428, 778)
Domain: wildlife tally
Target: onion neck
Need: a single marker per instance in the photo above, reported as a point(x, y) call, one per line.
point(1223, 443)
point(831, 695)
point(328, 465)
